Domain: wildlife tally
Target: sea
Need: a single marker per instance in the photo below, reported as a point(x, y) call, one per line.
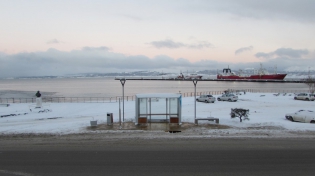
point(109, 87)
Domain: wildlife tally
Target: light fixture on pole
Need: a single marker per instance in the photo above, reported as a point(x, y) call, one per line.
point(195, 83)
point(122, 81)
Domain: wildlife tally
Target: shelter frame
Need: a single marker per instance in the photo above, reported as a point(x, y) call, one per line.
point(161, 108)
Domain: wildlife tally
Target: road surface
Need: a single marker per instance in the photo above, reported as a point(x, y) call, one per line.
point(69, 155)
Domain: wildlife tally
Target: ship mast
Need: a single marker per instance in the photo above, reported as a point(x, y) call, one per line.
point(260, 70)
point(275, 68)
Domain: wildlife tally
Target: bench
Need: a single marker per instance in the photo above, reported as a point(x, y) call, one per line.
point(5, 105)
point(209, 119)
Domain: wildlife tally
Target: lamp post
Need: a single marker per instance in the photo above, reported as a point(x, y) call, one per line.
point(122, 81)
point(119, 115)
point(195, 83)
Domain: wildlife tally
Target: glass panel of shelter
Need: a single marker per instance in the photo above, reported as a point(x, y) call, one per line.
point(158, 108)
point(143, 107)
point(173, 107)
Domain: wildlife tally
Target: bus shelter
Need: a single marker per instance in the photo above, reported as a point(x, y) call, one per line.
point(162, 107)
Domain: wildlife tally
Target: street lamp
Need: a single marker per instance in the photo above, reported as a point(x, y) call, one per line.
point(122, 81)
point(195, 83)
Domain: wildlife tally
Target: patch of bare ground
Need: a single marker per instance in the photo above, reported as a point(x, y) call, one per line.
point(266, 128)
point(311, 133)
point(156, 126)
point(128, 132)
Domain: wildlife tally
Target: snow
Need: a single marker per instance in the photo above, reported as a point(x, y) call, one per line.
point(266, 110)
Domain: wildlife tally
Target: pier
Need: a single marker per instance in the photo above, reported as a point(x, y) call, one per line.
point(224, 80)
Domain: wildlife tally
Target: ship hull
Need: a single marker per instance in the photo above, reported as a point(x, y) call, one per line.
point(264, 77)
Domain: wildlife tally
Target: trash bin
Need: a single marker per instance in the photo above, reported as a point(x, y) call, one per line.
point(109, 118)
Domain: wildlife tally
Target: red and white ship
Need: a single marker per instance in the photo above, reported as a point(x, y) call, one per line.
point(259, 74)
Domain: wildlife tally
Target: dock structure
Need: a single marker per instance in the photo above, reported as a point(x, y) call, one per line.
point(222, 80)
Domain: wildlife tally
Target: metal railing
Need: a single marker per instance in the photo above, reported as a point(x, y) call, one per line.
point(66, 99)
point(126, 98)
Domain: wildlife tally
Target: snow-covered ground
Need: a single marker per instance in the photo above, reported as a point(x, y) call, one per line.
point(266, 110)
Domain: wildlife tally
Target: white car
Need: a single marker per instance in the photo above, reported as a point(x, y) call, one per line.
point(305, 116)
point(227, 97)
point(305, 96)
point(206, 98)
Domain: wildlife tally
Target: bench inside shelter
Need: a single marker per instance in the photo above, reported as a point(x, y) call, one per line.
point(5, 105)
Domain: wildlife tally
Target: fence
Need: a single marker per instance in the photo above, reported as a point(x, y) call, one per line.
point(67, 99)
point(126, 98)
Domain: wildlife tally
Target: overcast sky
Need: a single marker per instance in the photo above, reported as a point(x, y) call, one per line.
point(58, 37)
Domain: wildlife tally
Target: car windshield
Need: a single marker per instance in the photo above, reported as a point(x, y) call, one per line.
point(209, 95)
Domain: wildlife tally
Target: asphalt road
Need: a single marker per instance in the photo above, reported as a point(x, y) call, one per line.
point(158, 157)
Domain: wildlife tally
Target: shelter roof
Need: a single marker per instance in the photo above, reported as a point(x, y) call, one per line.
point(158, 95)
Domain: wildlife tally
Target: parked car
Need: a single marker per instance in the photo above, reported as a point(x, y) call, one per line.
point(228, 97)
point(206, 98)
point(305, 96)
point(305, 116)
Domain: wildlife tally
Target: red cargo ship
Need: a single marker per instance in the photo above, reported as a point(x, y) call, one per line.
point(261, 74)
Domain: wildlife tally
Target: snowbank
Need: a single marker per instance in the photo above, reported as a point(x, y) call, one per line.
point(266, 111)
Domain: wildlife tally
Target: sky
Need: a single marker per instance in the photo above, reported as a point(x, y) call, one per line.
point(57, 37)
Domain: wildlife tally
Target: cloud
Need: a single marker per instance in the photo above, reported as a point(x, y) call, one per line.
point(288, 59)
point(167, 44)
point(101, 48)
point(200, 45)
point(132, 17)
point(174, 45)
point(283, 52)
point(54, 62)
point(240, 50)
point(88, 59)
point(53, 41)
point(297, 10)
